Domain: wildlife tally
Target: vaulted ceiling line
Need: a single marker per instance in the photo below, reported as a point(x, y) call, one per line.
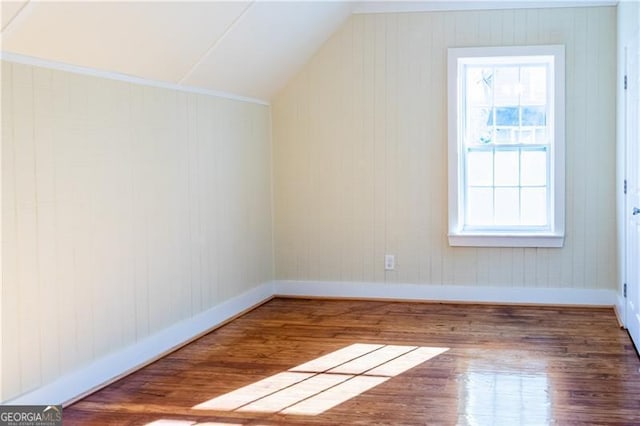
point(21, 12)
point(215, 44)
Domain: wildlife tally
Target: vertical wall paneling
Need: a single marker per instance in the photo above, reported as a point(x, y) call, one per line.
point(7, 201)
point(360, 146)
point(126, 209)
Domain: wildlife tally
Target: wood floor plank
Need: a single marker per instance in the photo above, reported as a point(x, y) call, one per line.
point(423, 363)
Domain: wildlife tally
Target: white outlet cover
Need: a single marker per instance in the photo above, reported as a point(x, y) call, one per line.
point(389, 262)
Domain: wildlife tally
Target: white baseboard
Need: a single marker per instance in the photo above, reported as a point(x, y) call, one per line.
point(107, 369)
point(446, 293)
point(621, 310)
point(111, 367)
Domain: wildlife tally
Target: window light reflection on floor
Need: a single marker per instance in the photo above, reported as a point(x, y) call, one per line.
point(506, 397)
point(325, 382)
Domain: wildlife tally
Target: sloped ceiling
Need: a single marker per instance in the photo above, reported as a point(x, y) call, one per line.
point(248, 48)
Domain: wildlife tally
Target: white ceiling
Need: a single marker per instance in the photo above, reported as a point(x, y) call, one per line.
point(248, 48)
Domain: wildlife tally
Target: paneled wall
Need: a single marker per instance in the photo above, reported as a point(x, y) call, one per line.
point(125, 209)
point(360, 153)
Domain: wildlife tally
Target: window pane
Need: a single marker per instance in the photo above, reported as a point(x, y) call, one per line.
point(507, 206)
point(480, 206)
point(533, 171)
point(505, 116)
point(534, 84)
point(478, 131)
point(479, 85)
point(541, 135)
point(505, 135)
point(506, 169)
point(507, 86)
point(526, 136)
point(534, 116)
point(534, 206)
point(480, 168)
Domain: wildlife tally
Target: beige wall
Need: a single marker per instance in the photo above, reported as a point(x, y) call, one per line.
point(125, 209)
point(360, 153)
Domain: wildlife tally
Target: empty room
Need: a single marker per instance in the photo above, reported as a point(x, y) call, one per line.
point(320, 212)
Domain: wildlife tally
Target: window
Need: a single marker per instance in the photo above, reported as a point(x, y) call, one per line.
point(506, 146)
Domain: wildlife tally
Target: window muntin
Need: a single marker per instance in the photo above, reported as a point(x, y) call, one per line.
point(508, 166)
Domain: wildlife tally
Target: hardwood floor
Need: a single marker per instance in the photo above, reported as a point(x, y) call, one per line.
point(360, 362)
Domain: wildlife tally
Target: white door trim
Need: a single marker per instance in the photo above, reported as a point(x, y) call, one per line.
point(631, 132)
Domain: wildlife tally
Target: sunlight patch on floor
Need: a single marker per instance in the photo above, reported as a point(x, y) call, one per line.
point(339, 357)
point(286, 397)
point(255, 391)
point(335, 396)
point(325, 382)
point(372, 360)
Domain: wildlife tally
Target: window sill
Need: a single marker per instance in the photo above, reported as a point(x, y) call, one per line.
point(468, 239)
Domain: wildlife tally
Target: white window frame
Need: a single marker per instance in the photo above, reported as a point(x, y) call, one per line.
point(461, 235)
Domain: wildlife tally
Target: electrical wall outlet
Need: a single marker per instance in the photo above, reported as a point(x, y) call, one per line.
point(389, 262)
